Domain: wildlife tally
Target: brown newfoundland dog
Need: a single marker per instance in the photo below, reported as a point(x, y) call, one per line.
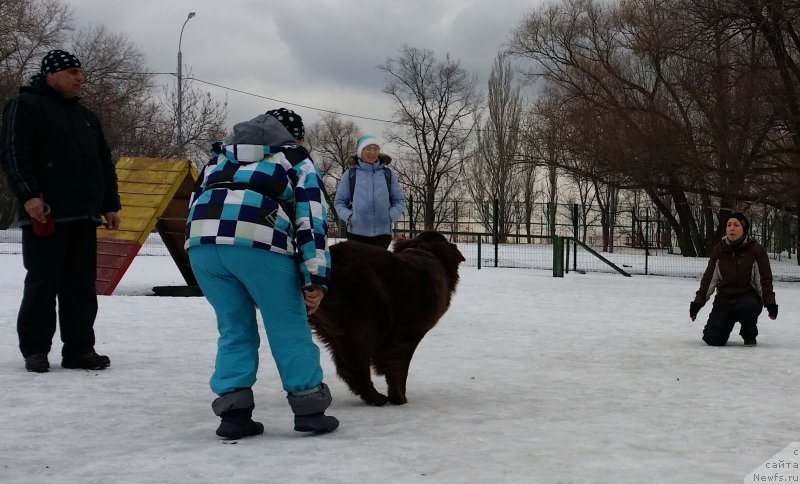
point(380, 304)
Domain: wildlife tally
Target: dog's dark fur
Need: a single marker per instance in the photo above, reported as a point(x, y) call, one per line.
point(380, 304)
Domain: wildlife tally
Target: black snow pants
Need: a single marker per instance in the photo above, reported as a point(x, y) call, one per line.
point(62, 267)
point(723, 317)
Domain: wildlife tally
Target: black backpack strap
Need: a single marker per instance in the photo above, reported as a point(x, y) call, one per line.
point(387, 172)
point(351, 176)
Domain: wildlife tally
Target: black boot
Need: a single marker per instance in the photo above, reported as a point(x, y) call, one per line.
point(316, 422)
point(37, 363)
point(236, 411)
point(309, 410)
point(238, 423)
point(85, 361)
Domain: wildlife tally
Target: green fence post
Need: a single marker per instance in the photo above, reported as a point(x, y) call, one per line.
point(495, 229)
point(558, 256)
point(479, 251)
point(455, 217)
point(576, 235)
point(646, 241)
point(575, 220)
point(411, 217)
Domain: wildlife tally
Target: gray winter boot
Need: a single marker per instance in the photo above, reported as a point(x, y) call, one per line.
point(309, 410)
point(236, 410)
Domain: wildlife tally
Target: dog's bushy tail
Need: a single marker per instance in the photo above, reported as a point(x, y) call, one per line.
point(322, 325)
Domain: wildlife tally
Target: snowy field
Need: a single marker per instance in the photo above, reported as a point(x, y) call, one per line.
point(593, 378)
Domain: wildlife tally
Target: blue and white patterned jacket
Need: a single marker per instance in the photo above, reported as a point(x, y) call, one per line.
point(266, 197)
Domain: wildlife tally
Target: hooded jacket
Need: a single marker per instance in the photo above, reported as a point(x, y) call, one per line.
point(737, 271)
point(374, 207)
point(54, 148)
point(263, 191)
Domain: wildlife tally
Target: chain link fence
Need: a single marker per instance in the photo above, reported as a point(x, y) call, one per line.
point(638, 242)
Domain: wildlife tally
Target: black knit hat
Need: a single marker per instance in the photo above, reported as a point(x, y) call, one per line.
point(59, 60)
point(290, 120)
point(742, 220)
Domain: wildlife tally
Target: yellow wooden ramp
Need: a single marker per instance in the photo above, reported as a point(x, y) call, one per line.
point(155, 195)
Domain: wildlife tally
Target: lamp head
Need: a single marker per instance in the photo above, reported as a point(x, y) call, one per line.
point(191, 14)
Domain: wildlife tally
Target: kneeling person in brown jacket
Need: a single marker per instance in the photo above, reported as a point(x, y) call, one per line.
point(739, 271)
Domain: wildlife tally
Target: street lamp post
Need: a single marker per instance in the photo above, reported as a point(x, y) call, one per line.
point(180, 87)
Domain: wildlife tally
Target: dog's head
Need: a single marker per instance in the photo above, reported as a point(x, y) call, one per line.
point(437, 245)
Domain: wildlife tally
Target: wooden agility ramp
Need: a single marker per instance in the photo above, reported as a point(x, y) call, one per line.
point(155, 195)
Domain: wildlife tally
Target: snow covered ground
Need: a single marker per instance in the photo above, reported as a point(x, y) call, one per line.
point(593, 378)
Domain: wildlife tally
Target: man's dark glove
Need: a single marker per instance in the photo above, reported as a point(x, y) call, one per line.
point(694, 308)
point(772, 310)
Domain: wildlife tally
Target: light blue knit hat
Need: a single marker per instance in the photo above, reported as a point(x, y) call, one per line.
point(365, 141)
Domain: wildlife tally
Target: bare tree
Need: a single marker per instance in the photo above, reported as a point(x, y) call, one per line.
point(586, 197)
point(495, 173)
point(545, 140)
point(674, 106)
point(777, 24)
point(118, 87)
point(436, 103)
point(136, 123)
point(119, 90)
point(332, 141)
point(204, 119)
point(528, 173)
point(28, 29)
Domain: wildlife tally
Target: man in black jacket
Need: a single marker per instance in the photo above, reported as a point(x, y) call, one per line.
point(60, 169)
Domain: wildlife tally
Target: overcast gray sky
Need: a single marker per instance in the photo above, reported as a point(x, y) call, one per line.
point(319, 53)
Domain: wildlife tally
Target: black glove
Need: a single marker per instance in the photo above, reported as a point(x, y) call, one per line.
point(694, 308)
point(772, 310)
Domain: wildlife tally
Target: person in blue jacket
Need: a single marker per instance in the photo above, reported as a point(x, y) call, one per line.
point(256, 237)
point(369, 198)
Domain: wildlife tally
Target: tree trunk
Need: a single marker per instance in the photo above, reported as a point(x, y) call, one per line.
point(430, 213)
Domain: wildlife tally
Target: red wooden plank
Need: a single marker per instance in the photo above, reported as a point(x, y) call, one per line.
point(110, 261)
point(113, 259)
point(122, 269)
point(115, 247)
point(100, 287)
point(106, 273)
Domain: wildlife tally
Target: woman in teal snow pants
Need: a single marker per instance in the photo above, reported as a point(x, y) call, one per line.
point(256, 239)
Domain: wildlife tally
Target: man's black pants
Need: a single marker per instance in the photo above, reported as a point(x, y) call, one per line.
point(62, 267)
point(724, 316)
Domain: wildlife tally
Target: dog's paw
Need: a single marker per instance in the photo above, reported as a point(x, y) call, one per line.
point(375, 400)
point(397, 399)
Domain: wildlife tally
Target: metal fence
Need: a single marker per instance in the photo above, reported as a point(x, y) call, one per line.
point(11, 243)
point(642, 244)
point(630, 227)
